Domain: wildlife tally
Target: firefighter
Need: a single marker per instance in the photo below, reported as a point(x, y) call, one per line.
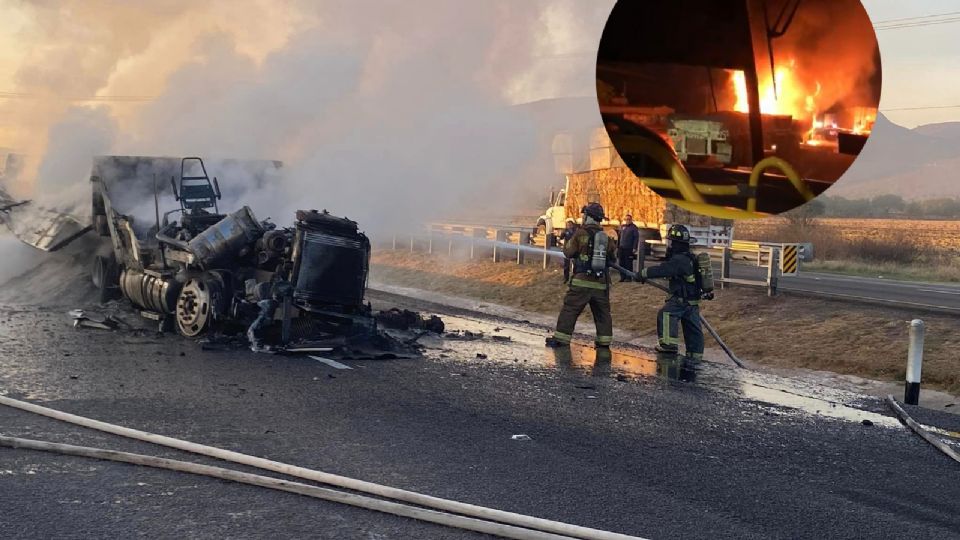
point(591, 252)
point(682, 308)
point(570, 227)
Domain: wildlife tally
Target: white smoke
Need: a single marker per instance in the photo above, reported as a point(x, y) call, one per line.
point(387, 111)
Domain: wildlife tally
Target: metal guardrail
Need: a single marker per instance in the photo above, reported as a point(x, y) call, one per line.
point(761, 249)
point(773, 270)
point(503, 241)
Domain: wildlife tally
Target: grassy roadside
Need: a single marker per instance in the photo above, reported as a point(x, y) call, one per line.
point(786, 331)
point(897, 249)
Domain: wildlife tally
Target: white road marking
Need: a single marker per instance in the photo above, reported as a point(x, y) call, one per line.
point(332, 363)
point(957, 293)
point(873, 299)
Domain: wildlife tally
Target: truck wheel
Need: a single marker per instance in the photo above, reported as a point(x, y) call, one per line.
point(105, 277)
point(100, 225)
point(197, 306)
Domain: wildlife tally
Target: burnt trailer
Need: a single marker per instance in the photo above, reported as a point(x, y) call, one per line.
point(200, 270)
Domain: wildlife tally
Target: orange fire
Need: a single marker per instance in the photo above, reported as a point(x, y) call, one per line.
point(864, 120)
point(790, 96)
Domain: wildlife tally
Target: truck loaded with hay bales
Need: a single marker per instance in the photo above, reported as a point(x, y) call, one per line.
point(621, 193)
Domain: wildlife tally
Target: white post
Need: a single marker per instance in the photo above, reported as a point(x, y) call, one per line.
point(772, 272)
point(911, 393)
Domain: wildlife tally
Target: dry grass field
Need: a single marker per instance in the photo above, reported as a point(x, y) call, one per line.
point(905, 249)
point(936, 235)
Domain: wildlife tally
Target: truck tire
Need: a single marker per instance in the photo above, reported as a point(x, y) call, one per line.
point(199, 304)
point(105, 274)
point(100, 225)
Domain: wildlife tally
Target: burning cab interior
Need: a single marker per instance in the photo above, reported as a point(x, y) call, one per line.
point(739, 108)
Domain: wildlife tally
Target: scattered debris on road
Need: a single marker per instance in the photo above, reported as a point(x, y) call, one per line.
point(464, 335)
point(88, 319)
point(404, 319)
point(521, 437)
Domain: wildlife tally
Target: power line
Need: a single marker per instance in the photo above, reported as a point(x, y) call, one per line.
point(917, 24)
point(892, 21)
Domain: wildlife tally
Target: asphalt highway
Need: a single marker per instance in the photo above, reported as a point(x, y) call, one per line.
point(933, 296)
point(623, 443)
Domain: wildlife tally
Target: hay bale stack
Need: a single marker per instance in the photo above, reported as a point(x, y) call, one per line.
point(621, 192)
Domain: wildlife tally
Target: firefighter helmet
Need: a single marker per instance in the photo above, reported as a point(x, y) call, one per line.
point(594, 210)
point(679, 233)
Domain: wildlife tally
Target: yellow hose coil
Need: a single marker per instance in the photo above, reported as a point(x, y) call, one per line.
point(664, 158)
point(721, 212)
point(706, 189)
point(787, 170)
point(693, 193)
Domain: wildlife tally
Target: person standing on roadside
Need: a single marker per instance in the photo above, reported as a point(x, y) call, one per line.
point(628, 245)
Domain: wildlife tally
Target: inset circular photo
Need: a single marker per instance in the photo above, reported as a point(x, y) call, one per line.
point(739, 109)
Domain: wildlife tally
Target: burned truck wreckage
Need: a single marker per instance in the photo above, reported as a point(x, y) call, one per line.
point(226, 278)
point(201, 271)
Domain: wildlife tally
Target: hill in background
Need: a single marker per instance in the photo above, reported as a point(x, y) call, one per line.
point(920, 163)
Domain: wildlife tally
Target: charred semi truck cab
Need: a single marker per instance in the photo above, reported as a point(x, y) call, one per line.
point(213, 272)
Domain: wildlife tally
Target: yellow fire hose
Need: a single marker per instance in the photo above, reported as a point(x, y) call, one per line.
point(787, 170)
point(721, 212)
point(706, 189)
point(664, 158)
point(692, 193)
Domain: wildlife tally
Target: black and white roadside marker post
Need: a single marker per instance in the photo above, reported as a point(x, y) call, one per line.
point(911, 395)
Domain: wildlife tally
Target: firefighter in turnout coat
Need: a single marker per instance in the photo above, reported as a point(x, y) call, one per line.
point(591, 252)
point(682, 308)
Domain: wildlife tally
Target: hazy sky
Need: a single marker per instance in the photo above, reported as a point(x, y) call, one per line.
point(921, 65)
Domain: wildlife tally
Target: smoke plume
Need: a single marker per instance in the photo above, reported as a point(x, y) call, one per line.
point(390, 112)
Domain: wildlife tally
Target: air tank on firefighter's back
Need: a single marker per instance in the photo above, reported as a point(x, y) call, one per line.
point(331, 260)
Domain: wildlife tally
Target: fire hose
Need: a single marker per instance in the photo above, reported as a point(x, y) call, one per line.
point(437, 510)
point(693, 193)
point(707, 325)
point(369, 503)
point(919, 430)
